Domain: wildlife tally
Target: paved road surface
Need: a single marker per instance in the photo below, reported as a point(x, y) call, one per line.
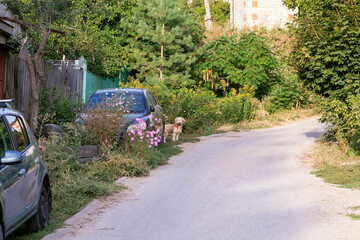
point(248, 185)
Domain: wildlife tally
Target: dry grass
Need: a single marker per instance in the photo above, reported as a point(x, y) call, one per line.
point(325, 153)
point(334, 165)
point(273, 120)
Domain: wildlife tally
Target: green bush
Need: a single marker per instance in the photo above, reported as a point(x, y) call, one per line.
point(57, 109)
point(344, 119)
point(236, 61)
point(236, 108)
point(198, 107)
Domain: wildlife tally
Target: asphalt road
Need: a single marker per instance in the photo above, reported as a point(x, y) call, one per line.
point(247, 185)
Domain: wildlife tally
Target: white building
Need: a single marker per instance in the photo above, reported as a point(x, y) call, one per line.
point(259, 13)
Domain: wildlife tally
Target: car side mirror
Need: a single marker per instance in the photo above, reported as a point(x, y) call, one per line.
point(152, 109)
point(11, 157)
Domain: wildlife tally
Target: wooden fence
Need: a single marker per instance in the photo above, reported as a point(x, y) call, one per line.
point(61, 76)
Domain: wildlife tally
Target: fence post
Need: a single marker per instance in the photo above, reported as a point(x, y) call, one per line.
point(81, 86)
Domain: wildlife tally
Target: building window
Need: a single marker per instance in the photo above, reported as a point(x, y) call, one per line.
point(291, 17)
point(244, 4)
point(254, 4)
point(254, 16)
point(254, 28)
point(244, 17)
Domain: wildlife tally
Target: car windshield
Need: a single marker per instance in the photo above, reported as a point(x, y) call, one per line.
point(131, 102)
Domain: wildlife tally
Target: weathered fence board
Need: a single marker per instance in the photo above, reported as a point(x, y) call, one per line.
point(63, 77)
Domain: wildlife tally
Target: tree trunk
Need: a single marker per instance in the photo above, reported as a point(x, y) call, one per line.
point(162, 52)
point(208, 21)
point(37, 76)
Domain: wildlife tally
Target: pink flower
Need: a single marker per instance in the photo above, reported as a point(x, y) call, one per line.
point(129, 134)
point(151, 116)
point(184, 111)
point(133, 132)
point(150, 146)
point(151, 125)
point(155, 144)
point(132, 139)
point(156, 119)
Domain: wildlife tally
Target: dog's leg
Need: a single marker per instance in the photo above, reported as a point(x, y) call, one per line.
point(174, 137)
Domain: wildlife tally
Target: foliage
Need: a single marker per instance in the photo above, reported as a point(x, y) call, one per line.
point(289, 94)
point(327, 58)
point(37, 15)
point(156, 25)
point(237, 107)
point(57, 109)
point(238, 60)
point(344, 119)
point(220, 10)
point(198, 107)
point(327, 46)
point(96, 33)
point(101, 124)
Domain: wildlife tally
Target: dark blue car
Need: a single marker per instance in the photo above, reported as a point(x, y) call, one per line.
point(138, 104)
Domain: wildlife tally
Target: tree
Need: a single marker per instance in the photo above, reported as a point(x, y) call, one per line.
point(328, 46)
point(36, 18)
point(235, 61)
point(220, 10)
point(98, 34)
point(207, 17)
point(326, 56)
point(164, 40)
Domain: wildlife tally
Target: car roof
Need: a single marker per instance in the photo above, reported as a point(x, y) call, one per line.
point(6, 110)
point(134, 90)
point(5, 107)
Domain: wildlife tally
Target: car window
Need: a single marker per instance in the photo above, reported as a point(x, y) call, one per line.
point(153, 100)
point(148, 100)
point(133, 102)
point(5, 142)
point(18, 131)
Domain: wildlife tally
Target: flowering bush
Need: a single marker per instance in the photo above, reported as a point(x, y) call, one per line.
point(238, 106)
point(140, 134)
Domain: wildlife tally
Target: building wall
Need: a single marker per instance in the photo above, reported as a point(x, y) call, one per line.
point(259, 13)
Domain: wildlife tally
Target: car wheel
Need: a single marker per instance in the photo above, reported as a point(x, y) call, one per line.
point(41, 219)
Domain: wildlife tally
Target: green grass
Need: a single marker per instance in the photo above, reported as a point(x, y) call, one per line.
point(336, 166)
point(354, 216)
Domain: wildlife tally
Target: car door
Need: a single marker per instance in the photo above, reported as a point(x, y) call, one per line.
point(152, 101)
point(31, 160)
point(12, 179)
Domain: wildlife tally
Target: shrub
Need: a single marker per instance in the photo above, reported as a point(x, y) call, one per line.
point(238, 60)
point(344, 119)
point(236, 108)
point(57, 109)
point(199, 108)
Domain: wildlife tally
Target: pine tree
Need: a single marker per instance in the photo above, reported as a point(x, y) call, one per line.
point(165, 39)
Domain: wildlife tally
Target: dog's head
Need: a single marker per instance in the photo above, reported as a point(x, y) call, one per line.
point(179, 121)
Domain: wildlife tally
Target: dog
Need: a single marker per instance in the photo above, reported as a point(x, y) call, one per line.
point(175, 129)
